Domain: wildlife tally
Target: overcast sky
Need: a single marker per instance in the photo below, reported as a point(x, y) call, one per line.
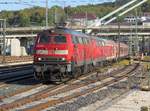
point(21, 4)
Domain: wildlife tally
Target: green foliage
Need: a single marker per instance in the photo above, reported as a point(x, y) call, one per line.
point(146, 6)
point(144, 108)
point(36, 16)
point(24, 20)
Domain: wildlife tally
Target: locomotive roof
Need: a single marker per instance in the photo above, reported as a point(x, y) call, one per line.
point(73, 32)
point(68, 31)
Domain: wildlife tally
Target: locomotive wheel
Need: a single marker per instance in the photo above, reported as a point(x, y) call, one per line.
point(91, 68)
point(62, 78)
point(76, 73)
point(39, 75)
point(36, 76)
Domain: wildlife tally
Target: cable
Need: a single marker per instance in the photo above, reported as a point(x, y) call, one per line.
point(56, 2)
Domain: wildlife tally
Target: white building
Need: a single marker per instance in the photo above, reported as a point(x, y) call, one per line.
point(146, 22)
point(83, 19)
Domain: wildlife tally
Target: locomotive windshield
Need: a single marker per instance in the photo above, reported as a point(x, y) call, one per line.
point(60, 39)
point(44, 39)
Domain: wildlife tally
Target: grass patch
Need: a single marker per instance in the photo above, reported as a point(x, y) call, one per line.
point(124, 62)
point(120, 63)
point(146, 65)
point(146, 58)
point(144, 108)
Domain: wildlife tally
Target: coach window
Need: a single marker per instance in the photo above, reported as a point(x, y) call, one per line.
point(85, 41)
point(77, 40)
point(80, 40)
point(97, 42)
point(103, 44)
point(74, 40)
point(88, 40)
point(100, 43)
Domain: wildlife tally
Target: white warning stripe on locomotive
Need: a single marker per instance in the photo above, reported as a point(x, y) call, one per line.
point(63, 52)
point(42, 52)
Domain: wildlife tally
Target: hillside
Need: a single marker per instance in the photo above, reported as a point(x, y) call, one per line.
point(36, 16)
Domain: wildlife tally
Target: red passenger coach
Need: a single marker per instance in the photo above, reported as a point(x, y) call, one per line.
point(65, 53)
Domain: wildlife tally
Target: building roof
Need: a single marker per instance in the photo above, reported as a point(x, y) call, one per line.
point(90, 16)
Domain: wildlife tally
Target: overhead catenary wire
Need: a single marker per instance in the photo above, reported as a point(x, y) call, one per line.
point(41, 3)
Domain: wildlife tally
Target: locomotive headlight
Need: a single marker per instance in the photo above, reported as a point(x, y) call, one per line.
point(39, 59)
point(63, 59)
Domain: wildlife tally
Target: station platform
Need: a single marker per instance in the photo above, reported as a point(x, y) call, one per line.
point(15, 64)
point(10, 61)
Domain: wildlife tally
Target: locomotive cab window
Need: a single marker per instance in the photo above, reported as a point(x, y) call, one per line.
point(80, 40)
point(60, 39)
point(44, 38)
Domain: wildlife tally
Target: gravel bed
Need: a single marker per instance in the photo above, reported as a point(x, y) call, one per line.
point(86, 100)
point(13, 87)
point(112, 91)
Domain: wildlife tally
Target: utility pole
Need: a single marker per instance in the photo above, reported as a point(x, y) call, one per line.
point(86, 19)
point(131, 41)
point(136, 32)
point(118, 36)
point(46, 14)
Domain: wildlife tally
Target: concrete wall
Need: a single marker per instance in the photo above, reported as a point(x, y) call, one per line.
point(15, 47)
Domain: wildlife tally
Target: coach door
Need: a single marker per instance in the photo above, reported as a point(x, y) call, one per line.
point(78, 50)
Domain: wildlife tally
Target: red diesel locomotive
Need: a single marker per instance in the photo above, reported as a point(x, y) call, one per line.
point(63, 53)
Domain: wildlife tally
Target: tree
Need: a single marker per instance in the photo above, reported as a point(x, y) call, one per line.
point(24, 20)
point(36, 15)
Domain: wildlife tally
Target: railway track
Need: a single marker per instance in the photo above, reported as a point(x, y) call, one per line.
point(14, 68)
point(54, 95)
point(15, 74)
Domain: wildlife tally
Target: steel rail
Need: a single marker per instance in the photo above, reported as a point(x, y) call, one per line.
point(43, 95)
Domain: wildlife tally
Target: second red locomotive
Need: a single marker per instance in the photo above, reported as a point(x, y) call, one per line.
point(65, 52)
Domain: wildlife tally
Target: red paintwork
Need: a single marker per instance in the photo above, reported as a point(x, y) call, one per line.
point(79, 53)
